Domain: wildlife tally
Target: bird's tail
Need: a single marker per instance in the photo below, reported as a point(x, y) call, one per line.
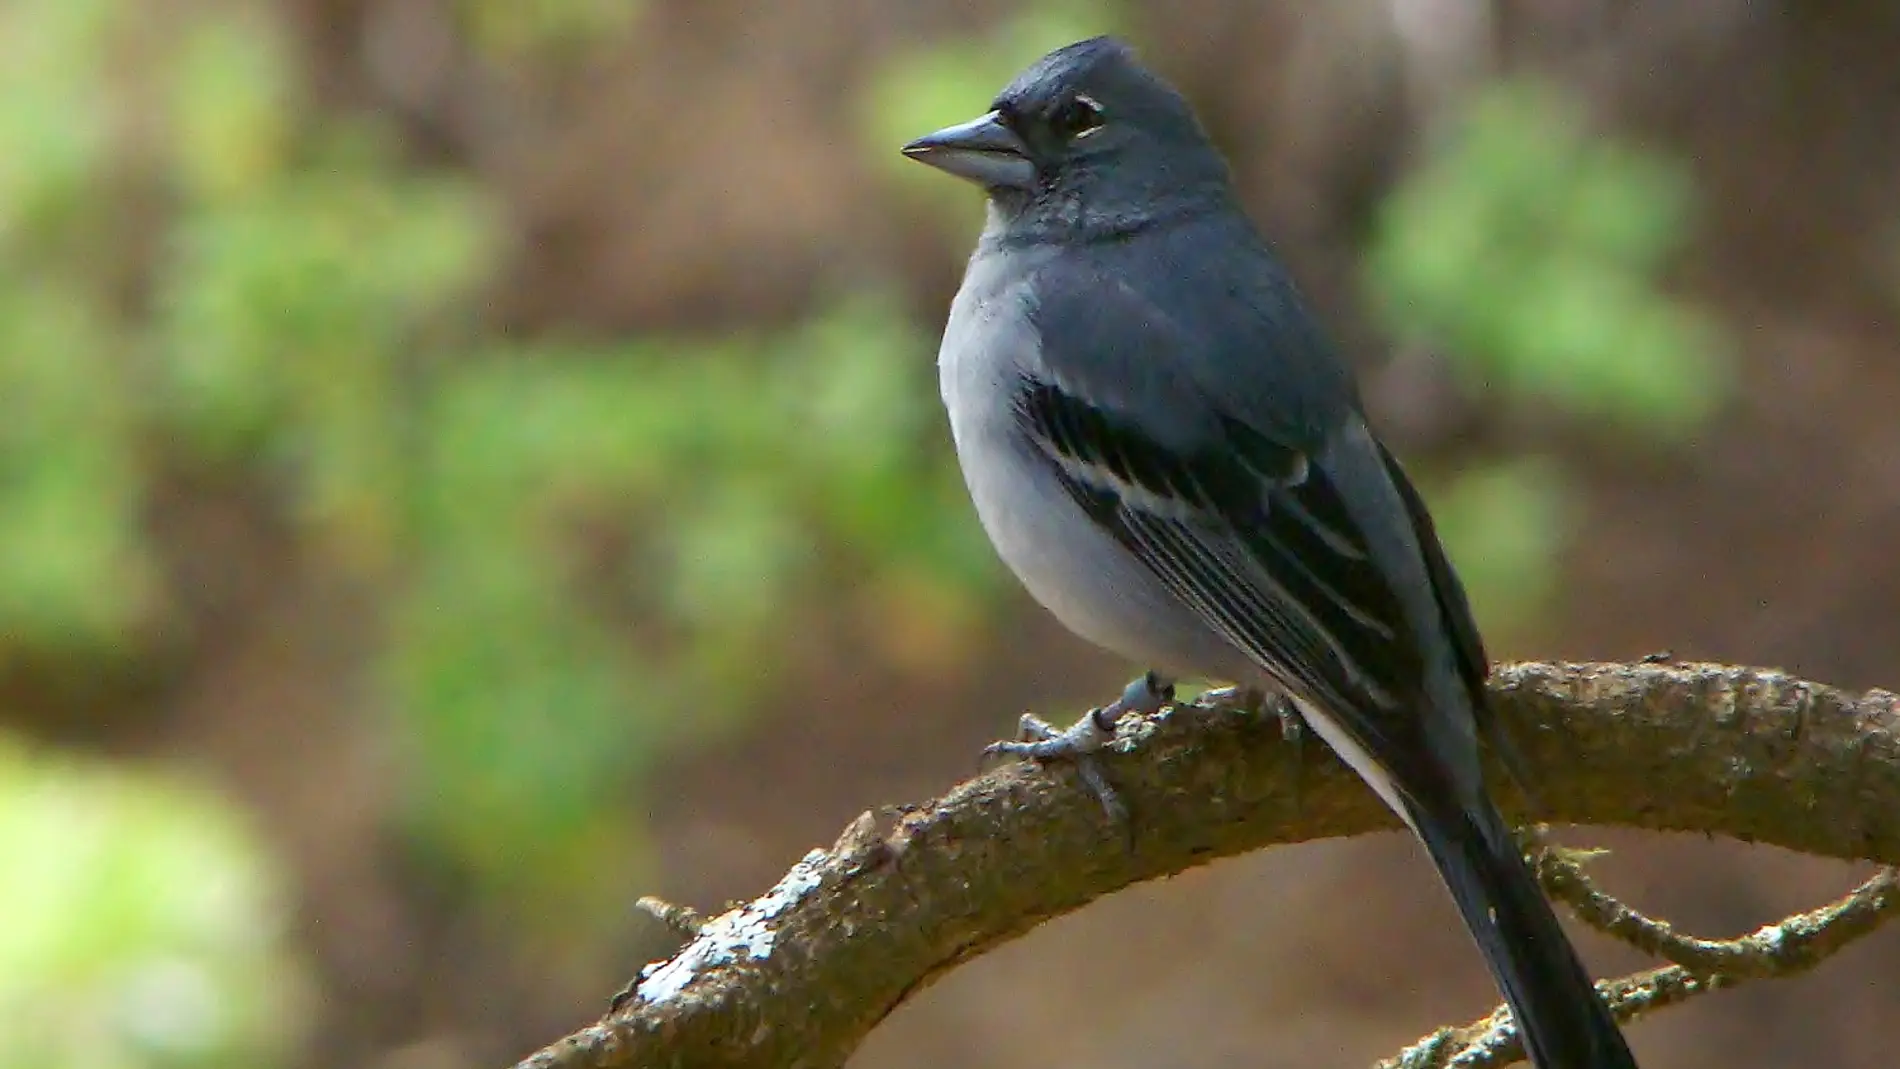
point(1563, 1022)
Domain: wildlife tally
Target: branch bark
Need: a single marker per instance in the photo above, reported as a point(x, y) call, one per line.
point(800, 976)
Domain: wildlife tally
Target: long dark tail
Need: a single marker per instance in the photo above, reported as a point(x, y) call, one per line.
point(1563, 1022)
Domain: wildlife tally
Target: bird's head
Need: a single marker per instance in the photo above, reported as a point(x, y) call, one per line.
point(1084, 138)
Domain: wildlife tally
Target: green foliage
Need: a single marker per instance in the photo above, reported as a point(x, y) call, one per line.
point(54, 126)
point(1531, 253)
point(287, 323)
point(1504, 523)
point(512, 29)
point(143, 926)
point(712, 475)
point(586, 556)
point(74, 570)
point(229, 101)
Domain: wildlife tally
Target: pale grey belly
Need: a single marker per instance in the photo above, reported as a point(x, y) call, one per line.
point(1077, 571)
point(1093, 585)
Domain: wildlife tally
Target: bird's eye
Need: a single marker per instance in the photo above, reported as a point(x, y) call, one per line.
point(1078, 117)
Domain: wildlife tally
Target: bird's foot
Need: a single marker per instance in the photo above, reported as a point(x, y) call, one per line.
point(1041, 741)
point(1038, 740)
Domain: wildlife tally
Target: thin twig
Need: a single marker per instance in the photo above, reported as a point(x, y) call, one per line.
point(683, 921)
point(1792, 945)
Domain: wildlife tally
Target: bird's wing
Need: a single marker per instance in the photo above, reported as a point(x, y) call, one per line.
point(1259, 513)
point(1453, 607)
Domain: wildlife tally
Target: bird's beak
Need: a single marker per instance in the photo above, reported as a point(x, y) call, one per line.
point(984, 150)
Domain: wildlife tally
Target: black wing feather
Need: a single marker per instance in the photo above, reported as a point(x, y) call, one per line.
point(1269, 557)
point(1473, 666)
point(1240, 401)
point(1462, 629)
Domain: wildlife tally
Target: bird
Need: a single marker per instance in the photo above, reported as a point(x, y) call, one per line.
point(1164, 446)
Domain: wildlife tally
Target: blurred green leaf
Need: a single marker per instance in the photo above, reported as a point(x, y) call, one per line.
point(707, 475)
point(287, 318)
point(1530, 251)
point(146, 895)
point(513, 29)
point(231, 125)
point(75, 570)
point(583, 556)
point(54, 119)
point(1504, 526)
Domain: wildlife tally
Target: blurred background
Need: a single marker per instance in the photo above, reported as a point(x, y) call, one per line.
point(465, 464)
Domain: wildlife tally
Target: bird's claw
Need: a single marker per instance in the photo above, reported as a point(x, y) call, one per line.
point(1038, 740)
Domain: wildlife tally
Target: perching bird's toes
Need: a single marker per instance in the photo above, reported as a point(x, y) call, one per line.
point(1038, 740)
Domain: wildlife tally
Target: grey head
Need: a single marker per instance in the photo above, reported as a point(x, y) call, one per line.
point(1085, 142)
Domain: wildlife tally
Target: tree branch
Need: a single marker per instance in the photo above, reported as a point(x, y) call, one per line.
point(800, 975)
point(1789, 947)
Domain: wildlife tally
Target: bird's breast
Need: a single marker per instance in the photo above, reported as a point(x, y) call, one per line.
point(1070, 564)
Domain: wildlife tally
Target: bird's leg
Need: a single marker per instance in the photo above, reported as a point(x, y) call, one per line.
point(1080, 742)
point(1095, 730)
